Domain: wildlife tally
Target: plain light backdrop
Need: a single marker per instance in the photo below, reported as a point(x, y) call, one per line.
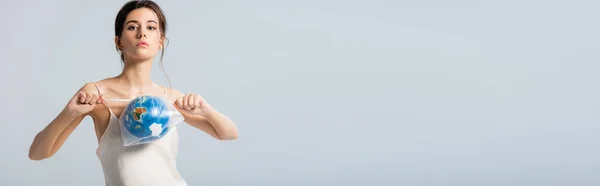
point(329, 92)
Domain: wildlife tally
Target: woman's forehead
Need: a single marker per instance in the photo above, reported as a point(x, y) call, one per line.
point(142, 15)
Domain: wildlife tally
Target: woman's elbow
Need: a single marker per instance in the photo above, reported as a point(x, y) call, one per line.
point(230, 135)
point(34, 153)
point(37, 156)
point(37, 153)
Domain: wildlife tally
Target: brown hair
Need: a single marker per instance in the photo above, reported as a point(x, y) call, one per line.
point(162, 22)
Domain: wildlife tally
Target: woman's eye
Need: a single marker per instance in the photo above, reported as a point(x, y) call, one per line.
point(131, 28)
point(151, 28)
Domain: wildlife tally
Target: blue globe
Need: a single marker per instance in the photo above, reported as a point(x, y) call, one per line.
point(146, 118)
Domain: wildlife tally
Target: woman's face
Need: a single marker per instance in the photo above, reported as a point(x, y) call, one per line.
point(141, 37)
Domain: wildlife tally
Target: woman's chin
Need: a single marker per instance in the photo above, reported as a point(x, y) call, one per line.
point(140, 56)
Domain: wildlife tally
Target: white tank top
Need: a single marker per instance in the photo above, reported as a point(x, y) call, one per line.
point(151, 164)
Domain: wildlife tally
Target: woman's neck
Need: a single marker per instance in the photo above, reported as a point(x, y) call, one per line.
point(136, 76)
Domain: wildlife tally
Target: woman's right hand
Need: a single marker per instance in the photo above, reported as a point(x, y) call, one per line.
point(83, 103)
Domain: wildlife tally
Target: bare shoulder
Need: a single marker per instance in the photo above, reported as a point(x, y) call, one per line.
point(174, 93)
point(89, 87)
point(94, 87)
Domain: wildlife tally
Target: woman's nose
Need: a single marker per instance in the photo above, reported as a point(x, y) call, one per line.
point(141, 34)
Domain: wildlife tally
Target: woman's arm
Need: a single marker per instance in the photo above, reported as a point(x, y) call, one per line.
point(51, 138)
point(47, 142)
point(210, 120)
point(226, 128)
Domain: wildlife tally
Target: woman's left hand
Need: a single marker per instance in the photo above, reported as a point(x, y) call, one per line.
point(193, 104)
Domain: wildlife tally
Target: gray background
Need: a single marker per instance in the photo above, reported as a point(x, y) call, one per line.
point(329, 92)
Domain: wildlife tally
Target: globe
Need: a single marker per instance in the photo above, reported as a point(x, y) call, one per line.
point(146, 118)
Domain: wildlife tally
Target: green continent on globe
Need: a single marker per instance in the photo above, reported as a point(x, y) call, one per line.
point(137, 113)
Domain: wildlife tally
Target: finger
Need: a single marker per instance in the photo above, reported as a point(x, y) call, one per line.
point(82, 97)
point(185, 101)
point(88, 98)
point(192, 101)
point(94, 99)
point(100, 99)
point(176, 102)
point(179, 102)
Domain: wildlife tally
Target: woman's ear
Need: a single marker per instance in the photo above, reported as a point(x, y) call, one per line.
point(117, 43)
point(162, 43)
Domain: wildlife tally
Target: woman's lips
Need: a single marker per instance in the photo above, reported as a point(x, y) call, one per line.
point(142, 43)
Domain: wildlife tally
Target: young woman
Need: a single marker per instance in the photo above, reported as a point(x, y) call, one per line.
point(140, 28)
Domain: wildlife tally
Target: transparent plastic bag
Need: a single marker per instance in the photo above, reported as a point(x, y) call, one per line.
point(147, 119)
